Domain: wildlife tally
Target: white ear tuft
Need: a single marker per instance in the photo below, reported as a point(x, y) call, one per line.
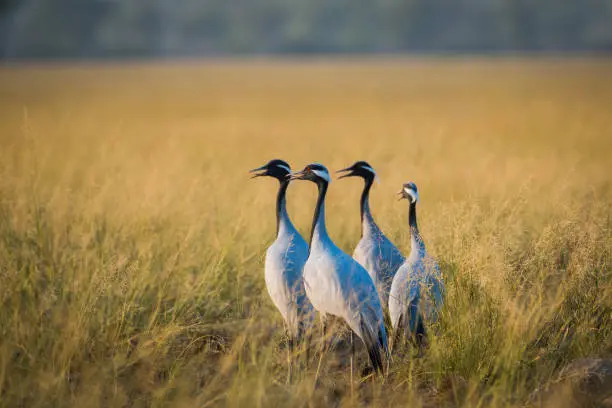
point(323, 174)
point(282, 166)
point(376, 178)
point(414, 195)
point(368, 168)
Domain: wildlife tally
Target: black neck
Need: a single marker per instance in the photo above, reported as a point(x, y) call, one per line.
point(412, 217)
point(322, 185)
point(365, 197)
point(280, 202)
point(418, 246)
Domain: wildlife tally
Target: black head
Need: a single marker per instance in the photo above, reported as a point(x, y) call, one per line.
point(276, 168)
point(314, 172)
point(410, 192)
point(359, 169)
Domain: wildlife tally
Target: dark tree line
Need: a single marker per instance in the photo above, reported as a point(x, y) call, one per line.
point(115, 28)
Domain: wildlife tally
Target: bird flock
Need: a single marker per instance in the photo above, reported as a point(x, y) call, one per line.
point(318, 276)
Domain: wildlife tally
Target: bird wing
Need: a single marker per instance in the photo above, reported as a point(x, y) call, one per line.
point(435, 287)
point(389, 260)
point(363, 302)
point(341, 286)
point(425, 273)
point(381, 259)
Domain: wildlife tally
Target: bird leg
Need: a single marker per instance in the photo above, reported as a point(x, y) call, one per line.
point(352, 360)
point(323, 348)
point(324, 337)
point(397, 335)
point(290, 358)
point(307, 341)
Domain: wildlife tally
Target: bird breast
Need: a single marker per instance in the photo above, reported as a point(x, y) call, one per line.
point(283, 273)
point(323, 284)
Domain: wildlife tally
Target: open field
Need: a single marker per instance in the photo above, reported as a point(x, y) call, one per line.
point(132, 240)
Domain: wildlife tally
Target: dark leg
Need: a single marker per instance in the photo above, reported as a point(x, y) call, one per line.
point(323, 348)
point(324, 328)
point(420, 337)
point(397, 335)
point(352, 359)
point(352, 346)
point(291, 347)
point(307, 341)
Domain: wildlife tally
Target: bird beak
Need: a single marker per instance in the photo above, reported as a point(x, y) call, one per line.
point(298, 175)
point(400, 195)
point(259, 172)
point(347, 170)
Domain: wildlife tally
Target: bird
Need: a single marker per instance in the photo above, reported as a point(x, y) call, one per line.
point(338, 285)
point(417, 290)
point(374, 251)
point(285, 260)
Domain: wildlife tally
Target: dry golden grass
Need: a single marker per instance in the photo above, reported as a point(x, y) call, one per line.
point(132, 240)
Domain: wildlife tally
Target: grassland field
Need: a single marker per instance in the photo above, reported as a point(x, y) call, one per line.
point(132, 240)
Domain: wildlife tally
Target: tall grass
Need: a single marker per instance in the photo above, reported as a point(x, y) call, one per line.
point(132, 240)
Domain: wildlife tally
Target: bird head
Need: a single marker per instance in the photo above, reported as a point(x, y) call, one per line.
point(409, 192)
point(359, 169)
point(276, 168)
point(314, 172)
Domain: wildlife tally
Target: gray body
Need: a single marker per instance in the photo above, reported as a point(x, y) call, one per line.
point(285, 260)
point(417, 290)
point(378, 256)
point(338, 285)
point(374, 251)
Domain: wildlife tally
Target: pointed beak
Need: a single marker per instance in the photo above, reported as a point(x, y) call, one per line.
point(400, 195)
point(346, 170)
point(298, 175)
point(259, 172)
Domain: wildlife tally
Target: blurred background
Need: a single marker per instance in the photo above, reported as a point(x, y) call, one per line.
point(169, 28)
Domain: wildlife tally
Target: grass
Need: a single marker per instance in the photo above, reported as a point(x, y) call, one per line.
point(132, 240)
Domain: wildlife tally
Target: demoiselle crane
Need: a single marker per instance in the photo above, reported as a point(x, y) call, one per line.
point(338, 285)
point(417, 290)
point(285, 260)
point(374, 251)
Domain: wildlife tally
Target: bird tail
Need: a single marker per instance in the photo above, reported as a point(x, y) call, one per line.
point(417, 333)
point(411, 325)
point(375, 345)
point(301, 331)
point(397, 333)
